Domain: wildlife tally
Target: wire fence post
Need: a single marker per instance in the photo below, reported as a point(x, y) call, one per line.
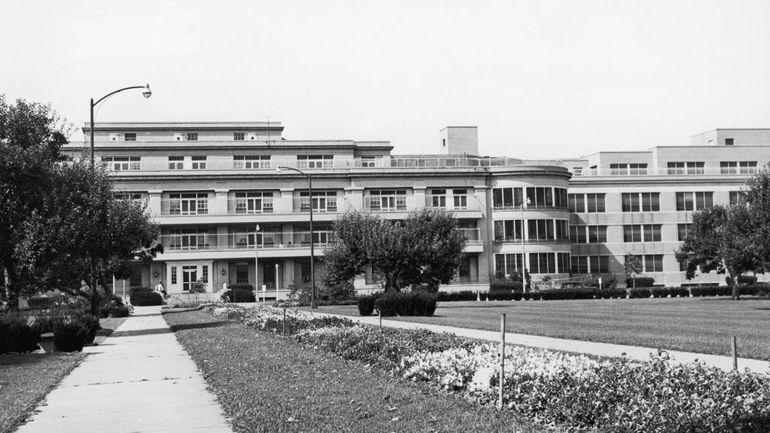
point(502, 359)
point(284, 322)
point(735, 353)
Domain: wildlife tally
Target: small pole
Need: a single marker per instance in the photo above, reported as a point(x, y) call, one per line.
point(735, 353)
point(284, 321)
point(502, 359)
point(379, 313)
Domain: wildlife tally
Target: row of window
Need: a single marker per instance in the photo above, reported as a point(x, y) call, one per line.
point(648, 201)
point(188, 136)
point(549, 263)
point(536, 197)
point(677, 168)
point(198, 162)
point(537, 230)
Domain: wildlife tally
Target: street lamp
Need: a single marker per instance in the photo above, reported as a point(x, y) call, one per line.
point(256, 263)
point(312, 239)
point(147, 93)
point(523, 249)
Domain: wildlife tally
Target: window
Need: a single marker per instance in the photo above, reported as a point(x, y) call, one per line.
point(577, 234)
point(736, 167)
point(507, 198)
point(322, 201)
point(188, 204)
point(539, 197)
point(136, 278)
point(653, 262)
point(542, 263)
point(540, 230)
point(729, 141)
point(688, 201)
point(136, 196)
point(641, 233)
point(187, 239)
point(173, 275)
point(198, 162)
point(564, 263)
point(682, 230)
point(588, 234)
point(737, 197)
point(437, 198)
point(560, 197)
point(590, 264)
point(577, 171)
point(368, 161)
point(192, 136)
point(508, 230)
point(562, 230)
point(464, 271)
point(507, 264)
point(315, 161)
point(253, 202)
point(460, 198)
point(176, 162)
point(636, 169)
point(386, 200)
point(241, 273)
point(129, 136)
point(239, 136)
point(123, 163)
point(580, 203)
point(640, 202)
point(251, 161)
point(689, 167)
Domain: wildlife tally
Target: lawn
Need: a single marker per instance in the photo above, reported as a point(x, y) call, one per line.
point(702, 325)
point(25, 379)
point(269, 384)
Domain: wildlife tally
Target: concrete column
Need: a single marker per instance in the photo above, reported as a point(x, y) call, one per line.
point(286, 201)
point(288, 273)
point(220, 202)
point(419, 197)
point(354, 196)
point(485, 259)
point(154, 205)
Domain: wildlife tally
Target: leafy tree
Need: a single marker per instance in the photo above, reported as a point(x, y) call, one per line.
point(31, 136)
point(720, 238)
point(84, 234)
point(757, 199)
point(633, 266)
point(425, 249)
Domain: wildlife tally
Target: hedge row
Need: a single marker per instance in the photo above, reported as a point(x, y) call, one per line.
point(144, 298)
point(233, 294)
point(21, 333)
point(398, 303)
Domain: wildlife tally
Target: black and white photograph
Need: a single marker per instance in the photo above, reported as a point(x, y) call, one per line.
point(385, 216)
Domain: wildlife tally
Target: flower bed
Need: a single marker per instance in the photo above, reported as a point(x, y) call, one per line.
point(552, 388)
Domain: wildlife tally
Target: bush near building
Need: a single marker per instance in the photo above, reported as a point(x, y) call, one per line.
point(145, 298)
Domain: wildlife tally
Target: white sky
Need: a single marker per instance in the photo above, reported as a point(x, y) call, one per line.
point(541, 79)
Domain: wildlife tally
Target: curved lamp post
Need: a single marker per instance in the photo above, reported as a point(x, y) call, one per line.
point(147, 93)
point(312, 238)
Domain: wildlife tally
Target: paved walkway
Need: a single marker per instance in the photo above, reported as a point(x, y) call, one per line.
point(574, 346)
point(139, 379)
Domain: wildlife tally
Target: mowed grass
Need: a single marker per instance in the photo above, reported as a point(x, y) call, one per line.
point(27, 378)
point(702, 325)
point(266, 383)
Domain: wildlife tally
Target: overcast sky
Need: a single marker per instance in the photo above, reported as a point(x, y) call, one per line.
point(541, 79)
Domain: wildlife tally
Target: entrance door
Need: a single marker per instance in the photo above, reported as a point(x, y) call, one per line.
point(189, 276)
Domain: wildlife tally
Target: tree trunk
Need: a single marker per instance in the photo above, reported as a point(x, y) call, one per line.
point(94, 291)
point(11, 291)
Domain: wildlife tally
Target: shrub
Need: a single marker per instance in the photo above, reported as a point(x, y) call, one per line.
point(505, 286)
point(16, 334)
point(711, 291)
point(91, 324)
point(639, 293)
point(366, 304)
point(144, 298)
point(505, 296)
point(406, 304)
point(119, 311)
point(640, 282)
point(134, 290)
point(44, 302)
point(69, 335)
point(743, 280)
point(238, 295)
point(465, 295)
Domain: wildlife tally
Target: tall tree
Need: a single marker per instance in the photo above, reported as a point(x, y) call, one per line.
point(757, 199)
point(83, 233)
point(31, 136)
point(720, 238)
point(426, 248)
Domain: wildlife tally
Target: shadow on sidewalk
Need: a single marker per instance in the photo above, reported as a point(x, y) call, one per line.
point(186, 326)
point(150, 331)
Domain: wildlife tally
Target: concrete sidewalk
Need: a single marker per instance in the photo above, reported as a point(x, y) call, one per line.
point(574, 346)
point(139, 379)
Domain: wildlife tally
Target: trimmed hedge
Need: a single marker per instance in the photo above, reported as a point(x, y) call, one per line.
point(238, 295)
point(505, 286)
point(134, 290)
point(241, 286)
point(398, 303)
point(640, 282)
point(366, 304)
point(16, 334)
point(143, 299)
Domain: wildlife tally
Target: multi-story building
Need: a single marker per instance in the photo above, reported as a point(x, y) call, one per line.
point(227, 215)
